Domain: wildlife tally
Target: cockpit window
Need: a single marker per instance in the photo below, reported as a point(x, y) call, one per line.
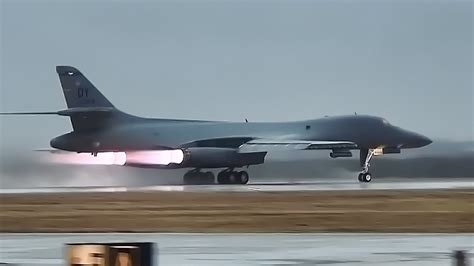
point(385, 122)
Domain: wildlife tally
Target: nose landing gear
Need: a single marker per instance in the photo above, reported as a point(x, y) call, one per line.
point(365, 157)
point(365, 177)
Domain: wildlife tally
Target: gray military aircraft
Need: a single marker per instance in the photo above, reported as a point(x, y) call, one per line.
point(99, 127)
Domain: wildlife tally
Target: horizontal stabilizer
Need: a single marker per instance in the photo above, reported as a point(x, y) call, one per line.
point(29, 113)
point(53, 151)
point(68, 112)
point(86, 110)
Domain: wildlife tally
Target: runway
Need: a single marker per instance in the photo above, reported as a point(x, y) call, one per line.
point(254, 249)
point(272, 186)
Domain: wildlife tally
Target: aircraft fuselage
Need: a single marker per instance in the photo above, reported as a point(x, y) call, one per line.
point(149, 134)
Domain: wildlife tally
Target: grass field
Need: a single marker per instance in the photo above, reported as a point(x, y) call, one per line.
point(341, 211)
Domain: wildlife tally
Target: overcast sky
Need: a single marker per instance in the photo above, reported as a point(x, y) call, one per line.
point(408, 61)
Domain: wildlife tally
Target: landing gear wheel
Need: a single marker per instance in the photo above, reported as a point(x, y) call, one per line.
point(233, 177)
point(243, 177)
point(367, 177)
point(194, 177)
point(189, 178)
point(360, 178)
point(222, 178)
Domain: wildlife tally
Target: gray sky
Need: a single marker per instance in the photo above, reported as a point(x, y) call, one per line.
point(408, 61)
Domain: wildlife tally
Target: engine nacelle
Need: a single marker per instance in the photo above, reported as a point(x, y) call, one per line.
point(337, 154)
point(203, 157)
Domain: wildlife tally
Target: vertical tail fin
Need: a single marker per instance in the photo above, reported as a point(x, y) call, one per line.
point(81, 93)
point(78, 90)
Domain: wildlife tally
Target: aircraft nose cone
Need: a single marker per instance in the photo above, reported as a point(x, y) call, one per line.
point(418, 140)
point(415, 140)
point(423, 141)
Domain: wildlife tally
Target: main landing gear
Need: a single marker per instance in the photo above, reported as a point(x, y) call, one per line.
point(196, 177)
point(365, 157)
point(230, 176)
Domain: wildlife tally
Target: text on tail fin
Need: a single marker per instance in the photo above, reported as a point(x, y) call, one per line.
point(78, 90)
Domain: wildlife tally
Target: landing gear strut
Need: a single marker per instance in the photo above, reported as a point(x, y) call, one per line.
point(230, 176)
point(365, 157)
point(196, 177)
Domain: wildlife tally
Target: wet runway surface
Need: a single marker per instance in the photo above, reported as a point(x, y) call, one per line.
point(268, 186)
point(254, 249)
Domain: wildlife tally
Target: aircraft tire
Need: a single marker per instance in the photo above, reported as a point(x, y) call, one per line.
point(198, 178)
point(360, 178)
point(367, 177)
point(189, 178)
point(243, 177)
point(223, 178)
point(233, 177)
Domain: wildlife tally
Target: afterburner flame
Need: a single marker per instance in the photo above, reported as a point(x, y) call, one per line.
point(102, 158)
point(164, 157)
